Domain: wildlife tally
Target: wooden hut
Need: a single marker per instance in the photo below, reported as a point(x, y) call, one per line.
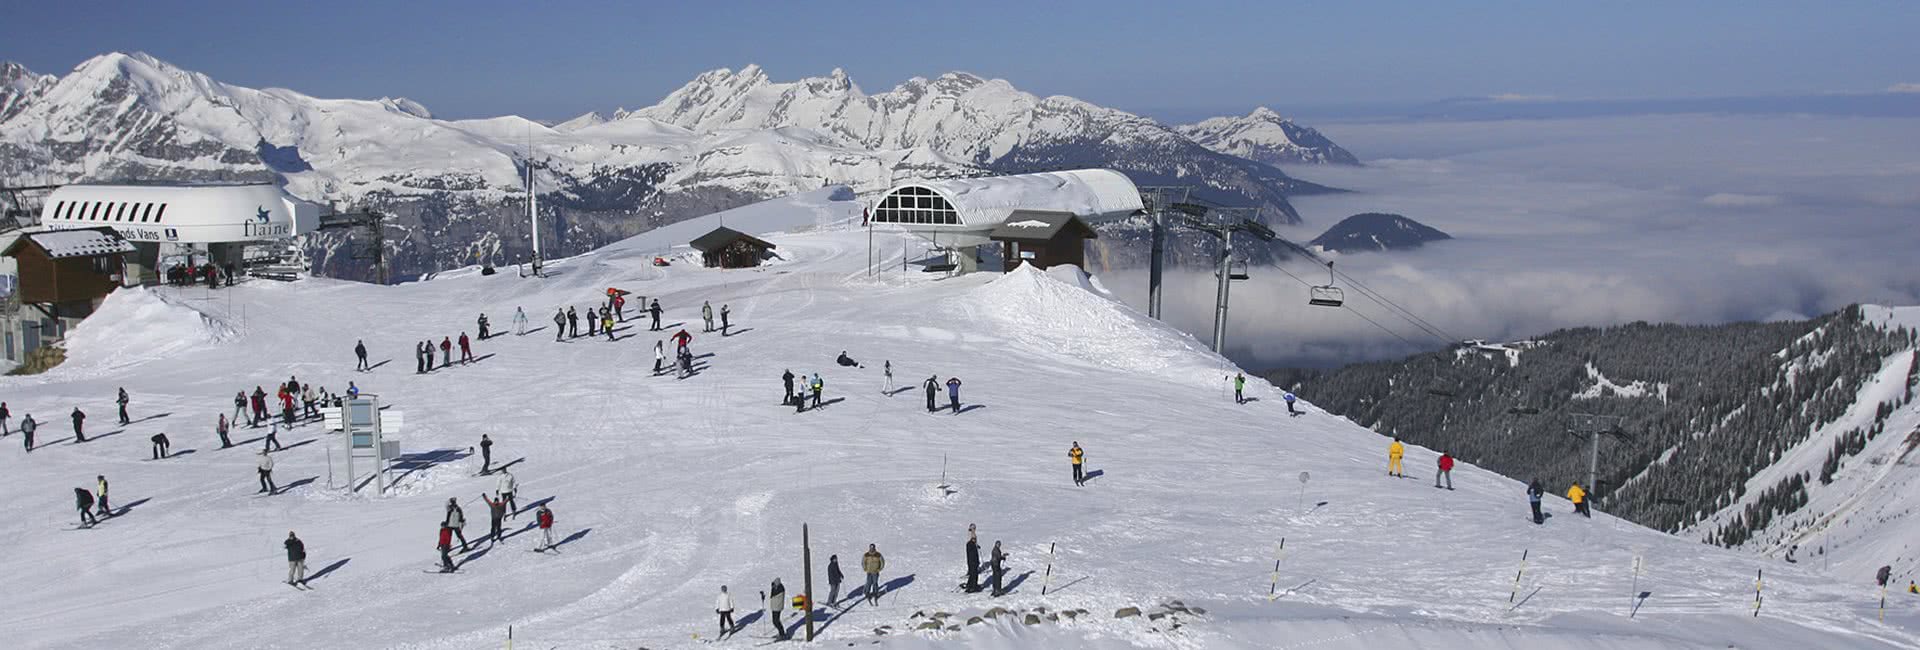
point(731, 249)
point(1043, 239)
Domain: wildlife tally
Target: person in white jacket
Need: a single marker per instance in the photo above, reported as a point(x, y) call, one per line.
point(507, 485)
point(659, 355)
point(723, 605)
point(519, 321)
point(266, 473)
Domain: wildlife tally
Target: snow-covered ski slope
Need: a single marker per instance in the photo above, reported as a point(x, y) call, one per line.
point(666, 488)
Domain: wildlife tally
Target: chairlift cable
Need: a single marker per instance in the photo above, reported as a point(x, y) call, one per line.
point(1350, 308)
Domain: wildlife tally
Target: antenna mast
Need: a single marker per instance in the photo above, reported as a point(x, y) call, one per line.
point(533, 204)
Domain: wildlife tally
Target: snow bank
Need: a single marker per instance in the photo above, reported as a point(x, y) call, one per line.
point(137, 325)
point(1066, 313)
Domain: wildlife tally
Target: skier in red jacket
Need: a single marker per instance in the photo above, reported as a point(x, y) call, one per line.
point(545, 517)
point(682, 338)
point(466, 351)
point(446, 351)
point(446, 545)
point(1446, 470)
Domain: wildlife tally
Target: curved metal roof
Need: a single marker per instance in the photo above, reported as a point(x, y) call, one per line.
point(983, 203)
point(182, 213)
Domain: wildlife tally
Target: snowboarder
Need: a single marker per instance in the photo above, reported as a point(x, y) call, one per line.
point(932, 384)
point(466, 348)
point(456, 520)
point(544, 517)
point(777, 603)
point(79, 433)
point(654, 311)
point(1579, 498)
point(573, 323)
point(659, 356)
point(999, 568)
point(496, 512)
point(446, 351)
point(519, 322)
point(725, 312)
point(887, 390)
point(706, 314)
point(1445, 471)
point(273, 438)
point(296, 560)
point(122, 401)
point(834, 576)
point(1394, 452)
point(266, 474)
point(1289, 398)
point(482, 327)
point(1533, 499)
point(486, 455)
point(873, 563)
point(161, 445)
point(973, 560)
point(27, 426)
point(559, 325)
point(506, 488)
point(723, 605)
point(360, 352)
point(83, 500)
point(105, 510)
point(786, 398)
point(1077, 455)
point(1239, 388)
point(953, 394)
point(846, 361)
point(446, 548)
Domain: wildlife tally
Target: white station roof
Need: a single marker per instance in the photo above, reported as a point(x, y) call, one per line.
point(188, 214)
point(1091, 194)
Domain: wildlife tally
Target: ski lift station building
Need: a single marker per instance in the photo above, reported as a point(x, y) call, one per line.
point(964, 213)
point(207, 223)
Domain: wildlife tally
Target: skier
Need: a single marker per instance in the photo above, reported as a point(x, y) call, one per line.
point(818, 386)
point(725, 312)
point(446, 548)
point(27, 425)
point(505, 489)
point(873, 563)
point(1579, 498)
point(496, 512)
point(723, 605)
point(105, 510)
point(273, 438)
point(544, 517)
point(573, 323)
point(888, 389)
point(686, 363)
point(3, 419)
point(846, 361)
point(296, 560)
point(800, 397)
point(834, 576)
point(559, 325)
point(286, 402)
point(933, 388)
point(593, 322)
point(446, 351)
point(260, 404)
point(1077, 455)
point(682, 339)
point(428, 344)
point(360, 352)
point(1394, 452)
point(466, 348)
point(79, 435)
point(999, 568)
point(706, 314)
point(239, 405)
point(973, 560)
point(266, 474)
point(1239, 388)
point(786, 398)
point(486, 455)
point(953, 393)
point(122, 401)
point(777, 603)
point(654, 310)
point(659, 356)
point(519, 322)
point(419, 357)
point(482, 327)
point(620, 307)
point(1446, 470)
point(1288, 397)
point(83, 500)
point(160, 445)
point(456, 520)
point(606, 323)
point(1533, 499)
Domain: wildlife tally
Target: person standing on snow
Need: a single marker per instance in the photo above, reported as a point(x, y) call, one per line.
point(559, 325)
point(777, 603)
point(27, 426)
point(887, 388)
point(1445, 470)
point(606, 324)
point(122, 401)
point(221, 430)
point(505, 488)
point(307, 400)
point(1394, 452)
point(239, 405)
point(973, 560)
point(1579, 498)
point(481, 326)
point(818, 386)
point(446, 548)
point(273, 438)
point(4, 414)
point(83, 501)
point(682, 339)
point(446, 351)
point(573, 323)
point(786, 398)
point(593, 322)
point(456, 520)
point(1289, 398)
point(706, 314)
point(496, 512)
point(544, 517)
point(620, 307)
point(259, 406)
point(266, 474)
point(1239, 388)
point(519, 322)
point(725, 311)
point(1076, 456)
point(932, 384)
point(999, 568)
point(419, 357)
point(1533, 499)
point(873, 563)
point(360, 352)
point(654, 311)
point(466, 348)
point(834, 576)
point(296, 560)
point(105, 510)
point(723, 605)
point(486, 455)
point(79, 434)
point(953, 393)
point(659, 356)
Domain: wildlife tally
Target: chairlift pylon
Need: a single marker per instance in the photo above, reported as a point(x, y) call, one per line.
point(1326, 295)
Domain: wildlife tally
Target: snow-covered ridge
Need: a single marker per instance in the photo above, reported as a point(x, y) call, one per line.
point(1266, 136)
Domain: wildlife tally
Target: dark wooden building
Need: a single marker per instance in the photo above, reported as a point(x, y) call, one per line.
point(1043, 239)
point(731, 249)
point(66, 273)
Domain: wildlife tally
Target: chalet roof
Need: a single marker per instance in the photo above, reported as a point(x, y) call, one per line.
point(1038, 225)
point(78, 242)
point(722, 236)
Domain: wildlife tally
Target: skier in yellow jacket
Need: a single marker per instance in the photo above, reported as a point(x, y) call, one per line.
point(1077, 455)
point(1394, 452)
point(1579, 498)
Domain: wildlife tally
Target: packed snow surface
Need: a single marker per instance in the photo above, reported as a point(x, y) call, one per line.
point(664, 488)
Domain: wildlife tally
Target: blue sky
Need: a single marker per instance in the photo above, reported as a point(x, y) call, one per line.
point(553, 60)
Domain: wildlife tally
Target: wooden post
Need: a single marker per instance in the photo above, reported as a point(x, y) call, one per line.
point(1517, 574)
point(806, 561)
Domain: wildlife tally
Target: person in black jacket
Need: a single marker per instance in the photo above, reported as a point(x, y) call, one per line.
point(296, 560)
point(122, 401)
point(933, 390)
point(834, 576)
point(573, 323)
point(786, 397)
point(79, 433)
point(654, 311)
point(973, 560)
point(486, 455)
point(360, 350)
point(83, 500)
point(1533, 498)
point(999, 569)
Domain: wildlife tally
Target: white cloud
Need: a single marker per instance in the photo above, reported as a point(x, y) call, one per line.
point(1904, 88)
point(1732, 200)
point(1517, 97)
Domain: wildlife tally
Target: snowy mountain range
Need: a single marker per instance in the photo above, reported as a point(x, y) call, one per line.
point(1265, 136)
point(724, 139)
point(1376, 231)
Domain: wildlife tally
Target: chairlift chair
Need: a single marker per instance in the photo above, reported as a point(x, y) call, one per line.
point(1326, 295)
point(1236, 270)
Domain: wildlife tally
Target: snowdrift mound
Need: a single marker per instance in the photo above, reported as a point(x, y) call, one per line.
point(137, 325)
point(1067, 313)
point(817, 209)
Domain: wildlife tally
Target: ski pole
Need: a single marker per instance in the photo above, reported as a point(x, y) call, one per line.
point(1046, 579)
point(1517, 574)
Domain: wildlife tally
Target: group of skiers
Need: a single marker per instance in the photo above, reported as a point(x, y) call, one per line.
point(706, 314)
point(871, 563)
point(423, 353)
point(932, 386)
point(86, 502)
point(501, 505)
point(798, 398)
point(182, 275)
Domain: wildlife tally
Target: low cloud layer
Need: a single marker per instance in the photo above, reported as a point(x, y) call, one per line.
point(1563, 223)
